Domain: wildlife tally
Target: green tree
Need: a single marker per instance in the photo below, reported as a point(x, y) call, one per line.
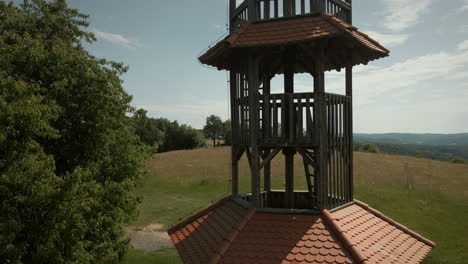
point(457, 160)
point(227, 132)
point(68, 158)
point(213, 128)
point(147, 130)
point(367, 147)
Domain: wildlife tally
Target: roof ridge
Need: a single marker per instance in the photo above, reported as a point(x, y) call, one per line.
point(197, 215)
point(396, 224)
point(373, 41)
point(347, 242)
point(223, 248)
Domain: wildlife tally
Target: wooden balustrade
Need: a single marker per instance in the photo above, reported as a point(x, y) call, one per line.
point(271, 9)
point(300, 128)
point(339, 156)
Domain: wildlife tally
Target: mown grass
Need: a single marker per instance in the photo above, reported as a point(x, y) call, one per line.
point(166, 256)
point(430, 197)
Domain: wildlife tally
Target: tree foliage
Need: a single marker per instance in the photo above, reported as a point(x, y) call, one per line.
point(213, 128)
point(164, 135)
point(68, 158)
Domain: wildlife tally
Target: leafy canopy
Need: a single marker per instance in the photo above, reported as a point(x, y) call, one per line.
point(68, 158)
point(213, 128)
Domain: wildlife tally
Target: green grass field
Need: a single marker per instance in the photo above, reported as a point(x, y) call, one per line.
point(430, 197)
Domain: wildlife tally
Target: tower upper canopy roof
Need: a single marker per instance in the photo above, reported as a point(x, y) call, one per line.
point(343, 45)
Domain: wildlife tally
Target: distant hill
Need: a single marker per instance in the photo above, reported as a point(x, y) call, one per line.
point(415, 139)
point(433, 146)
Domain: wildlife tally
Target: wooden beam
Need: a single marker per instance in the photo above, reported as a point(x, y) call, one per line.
point(232, 8)
point(289, 179)
point(234, 171)
point(252, 10)
point(269, 157)
point(349, 92)
point(254, 126)
point(320, 115)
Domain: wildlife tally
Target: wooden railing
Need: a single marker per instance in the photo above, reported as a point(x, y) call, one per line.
point(287, 119)
point(269, 9)
point(339, 149)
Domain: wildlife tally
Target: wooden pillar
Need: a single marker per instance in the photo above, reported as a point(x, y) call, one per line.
point(350, 2)
point(288, 152)
point(267, 167)
point(349, 92)
point(252, 10)
point(232, 8)
point(320, 115)
point(288, 7)
point(254, 124)
point(234, 123)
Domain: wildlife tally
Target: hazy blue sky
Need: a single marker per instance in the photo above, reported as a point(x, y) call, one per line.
point(422, 87)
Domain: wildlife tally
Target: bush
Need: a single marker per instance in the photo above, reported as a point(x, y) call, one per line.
point(458, 160)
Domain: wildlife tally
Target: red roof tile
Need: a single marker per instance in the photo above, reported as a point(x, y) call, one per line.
point(294, 30)
point(379, 238)
point(228, 233)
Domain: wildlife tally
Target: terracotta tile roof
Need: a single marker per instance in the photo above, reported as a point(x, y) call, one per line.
point(229, 233)
point(199, 238)
point(286, 239)
point(294, 30)
point(379, 238)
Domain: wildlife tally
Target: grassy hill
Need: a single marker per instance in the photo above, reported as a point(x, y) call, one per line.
point(430, 197)
point(415, 139)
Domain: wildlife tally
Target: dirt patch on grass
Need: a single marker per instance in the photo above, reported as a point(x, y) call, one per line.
point(149, 238)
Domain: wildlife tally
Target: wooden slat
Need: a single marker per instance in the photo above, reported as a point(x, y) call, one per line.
point(275, 118)
point(290, 121)
point(276, 6)
point(266, 9)
point(349, 92)
point(283, 117)
point(299, 127)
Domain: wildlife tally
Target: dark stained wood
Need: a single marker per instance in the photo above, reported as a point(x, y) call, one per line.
point(267, 158)
point(276, 6)
point(254, 128)
point(252, 10)
point(321, 125)
point(266, 14)
point(318, 125)
point(289, 178)
point(349, 92)
point(234, 147)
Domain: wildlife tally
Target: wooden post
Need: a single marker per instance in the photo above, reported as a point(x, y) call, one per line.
point(289, 115)
point(349, 92)
point(320, 116)
point(267, 131)
point(350, 2)
point(235, 146)
point(252, 10)
point(232, 8)
point(287, 8)
point(254, 125)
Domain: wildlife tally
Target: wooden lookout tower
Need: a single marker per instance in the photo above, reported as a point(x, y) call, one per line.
point(287, 37)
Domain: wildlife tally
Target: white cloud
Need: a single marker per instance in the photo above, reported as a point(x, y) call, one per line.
point(116, 39)
point(388, 40)
point(410, 73)
point(463, 45)
point(416, 95)
point(402, 14)
point(464, 6)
